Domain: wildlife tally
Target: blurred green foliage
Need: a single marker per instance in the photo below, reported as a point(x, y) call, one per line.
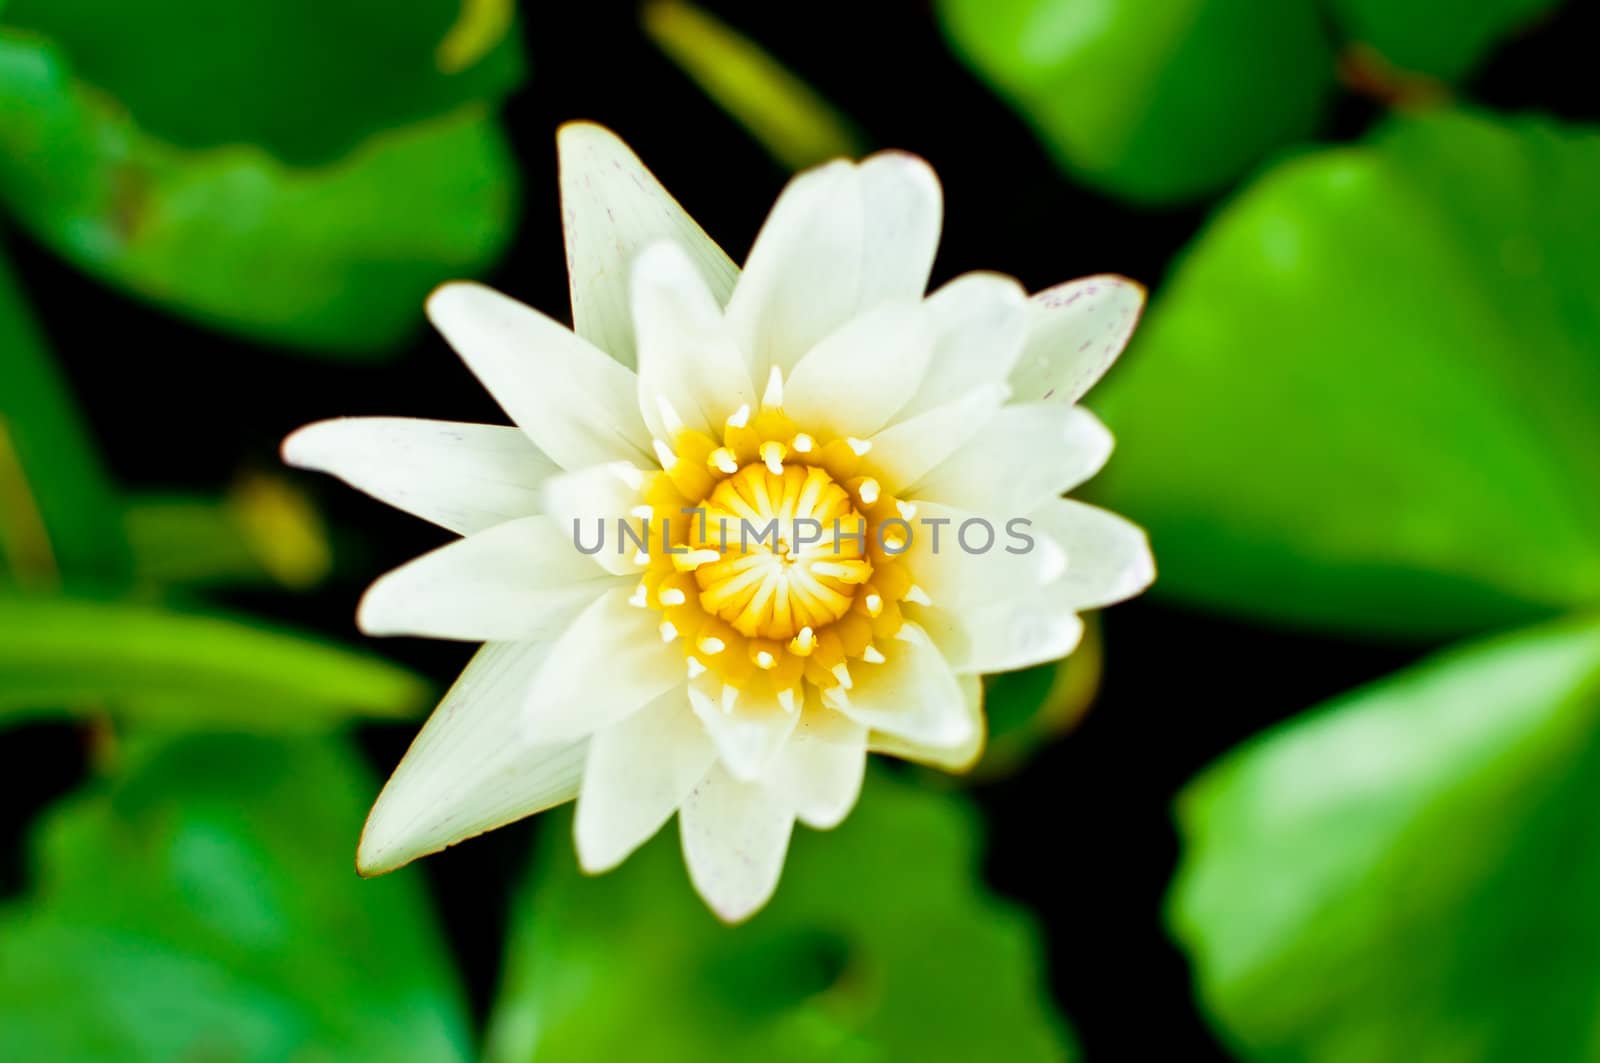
point(153, 663)
point(796, 125)
point(881, 944)
point(1442, 38)
point(1166, 100)
point(73, 527)
point(341, 253)
point(1155, 99)
point(1367, 397)
point(306, 80)
point(200, 905)
point(262, 532)
point(1411, 872)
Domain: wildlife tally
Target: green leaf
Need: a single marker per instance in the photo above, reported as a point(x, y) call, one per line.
point(1411, 872)
point(305, 79)
point(796, 125)
point(59, 514)
point(1369, 397)
point(1443, 38)
point(852, 960)
point(202, 906)
point(185, 669)
point(335, 258)
point(1154, 100)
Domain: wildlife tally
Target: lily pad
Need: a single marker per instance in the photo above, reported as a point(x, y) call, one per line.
point(852, 960)
point(1409, 872)
point(307, 80)
point(1369, 397)
point(1155, 100)
point(337, 258)
point(202, 905)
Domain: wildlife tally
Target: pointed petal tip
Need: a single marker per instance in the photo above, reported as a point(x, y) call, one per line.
point(374, 860)
point(299, 448)
point(575, 131)
point(448, 297)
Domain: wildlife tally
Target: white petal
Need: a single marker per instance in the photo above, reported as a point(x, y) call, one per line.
point(750, 734)
point(1028, 454)
point(821, 768)
point(840, 240)
point(1036, 626)
point(609, 663)
point(964, 559)
point(638, 773)
point(735, 836)
point(904, 452)
point(586, 505)
point(912, 694)
point(855, 380)
point(803, 277)
point(572, 399)
point(1075, 331)
point(902, 211)
point(1108, 557)
point(519, 580)
point(687, 356)
point(471, 768)
point(612, 208)
point(959, 757)
point(980, 321)
point(464, 477)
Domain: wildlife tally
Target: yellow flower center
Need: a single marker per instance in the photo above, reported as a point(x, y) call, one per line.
point(782, 561)
point(791, 547)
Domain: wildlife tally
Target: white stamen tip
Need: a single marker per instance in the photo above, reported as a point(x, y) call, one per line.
point(741, 417)
point(712, 645)
point(642, 512)
point(869, 491)
point(669, 416)
point(872, 655)
point(765, 660)
point(907, 510)
point(724, 460)
point(664, 454)
point(803, 444)
point(803, 643)
point(842, 674)
point(673, 596)
point(917, 596)
point(694, 559)
point(730, 694)
point(696, 669)
point(835, 698)
point(641, 557)
point(772, 454)
point(859, 446)
point(773, 396)
point(669, 631)
point(640, 597)
point(874, 604)
point(786, 699)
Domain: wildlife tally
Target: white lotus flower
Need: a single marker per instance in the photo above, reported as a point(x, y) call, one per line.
point(740, 685)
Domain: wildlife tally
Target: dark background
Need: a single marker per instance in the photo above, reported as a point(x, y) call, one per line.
point(1083, 836)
